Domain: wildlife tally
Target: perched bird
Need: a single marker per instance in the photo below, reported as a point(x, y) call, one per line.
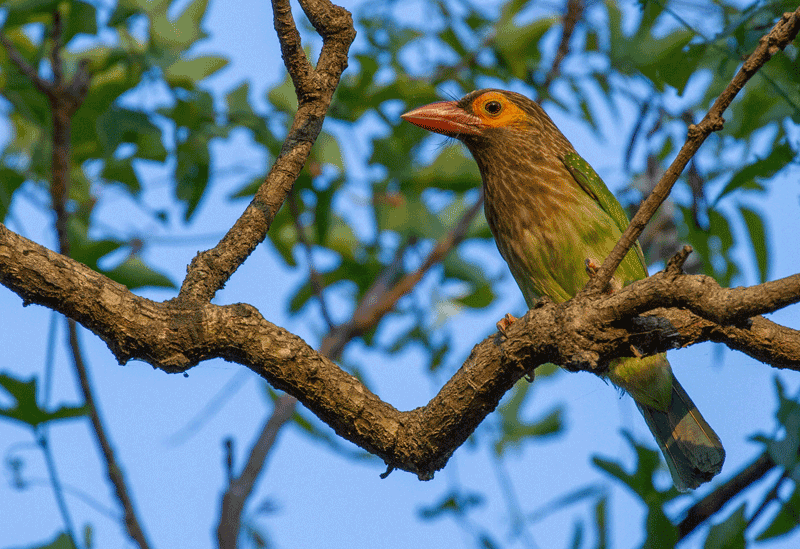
point(553, 218)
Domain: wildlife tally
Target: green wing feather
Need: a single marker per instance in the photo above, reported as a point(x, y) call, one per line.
point(592, 185)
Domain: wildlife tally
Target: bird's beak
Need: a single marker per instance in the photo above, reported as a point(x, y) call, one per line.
point(445, 117)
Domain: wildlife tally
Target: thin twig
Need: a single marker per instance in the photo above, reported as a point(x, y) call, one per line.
point(317, 284)
point(113, 467)
point(239, 490)
point(57, 489)
point(24, 67)
point(777, 39)
point(65, 99)
point(568, 22)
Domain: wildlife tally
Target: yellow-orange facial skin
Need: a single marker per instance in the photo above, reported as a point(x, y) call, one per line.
point(495, 110)
point(489, 110)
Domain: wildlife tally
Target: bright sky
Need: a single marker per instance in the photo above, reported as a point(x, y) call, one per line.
point(322, 499)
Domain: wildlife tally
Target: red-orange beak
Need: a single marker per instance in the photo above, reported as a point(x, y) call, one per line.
point(445, 117)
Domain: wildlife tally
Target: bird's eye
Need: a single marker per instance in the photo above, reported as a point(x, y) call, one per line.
point(493, 107)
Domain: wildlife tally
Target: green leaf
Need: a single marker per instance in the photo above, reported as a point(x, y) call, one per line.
point(515, 430)
point(451, 170)
point(238, 100)
point(120, 125)
point(784, 451)
point(326, 150)
point(61, 541)
point(641, 480)
point(82, 19)
point(21, 12)
point(749, 177)
point(122, 172)
point(134, 273)
point(187, 73)
point(192, 172)
point(10, 181)
point(180, 33)
point(480, 297)
point(453, 503)
point(786, 520)
point(26, 409)
point(729, 534)
point(84, 249)
point(757, 231)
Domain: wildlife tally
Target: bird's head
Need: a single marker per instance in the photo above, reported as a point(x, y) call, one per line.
point(497, 126)
point(476, 114)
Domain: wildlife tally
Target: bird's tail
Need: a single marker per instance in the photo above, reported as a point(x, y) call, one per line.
point(692, 449)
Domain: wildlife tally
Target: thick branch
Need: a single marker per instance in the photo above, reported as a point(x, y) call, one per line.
point(583, 333)
point(777, 39)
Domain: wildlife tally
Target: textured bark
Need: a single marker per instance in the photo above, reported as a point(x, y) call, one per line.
point(667, 310)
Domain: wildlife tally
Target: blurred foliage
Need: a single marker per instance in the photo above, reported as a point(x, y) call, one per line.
point(26, 409)
point(371, 202)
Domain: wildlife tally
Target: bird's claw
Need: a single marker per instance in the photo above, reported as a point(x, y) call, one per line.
point(504, 323)
point(591, 268)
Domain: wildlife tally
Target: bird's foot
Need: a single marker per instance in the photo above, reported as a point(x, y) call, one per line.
point(591, 268)
point(504, 323)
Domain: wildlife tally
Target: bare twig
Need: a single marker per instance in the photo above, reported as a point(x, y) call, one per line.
point(777, 39)
point(568, 22)
point(113, 467)
point(58, 491)
point(65, 99)
point(239, 490)
point(317, 284)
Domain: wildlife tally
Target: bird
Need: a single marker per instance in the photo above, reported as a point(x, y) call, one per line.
point(554, 220)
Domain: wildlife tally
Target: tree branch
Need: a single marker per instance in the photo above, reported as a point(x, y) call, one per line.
point(209, 270)
point(568, 22)
point(777, 39)
point(716, 500)
point(240, 488)
point(584, 333)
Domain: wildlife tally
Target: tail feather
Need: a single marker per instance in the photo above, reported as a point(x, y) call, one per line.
point(692, 449)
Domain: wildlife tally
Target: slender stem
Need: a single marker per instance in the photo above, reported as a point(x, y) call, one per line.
point(56, 484)
point(113, 468)
point(240, 488)
point(317, 283)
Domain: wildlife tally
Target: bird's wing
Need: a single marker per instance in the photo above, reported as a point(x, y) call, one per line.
point(592, 185)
